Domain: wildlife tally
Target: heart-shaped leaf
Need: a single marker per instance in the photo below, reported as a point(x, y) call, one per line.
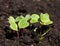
point(45, 20)
point(27, 17)
point(18, 18)
point(23, 23)
point(34, 18)
point(11, 19)
point(13, 25)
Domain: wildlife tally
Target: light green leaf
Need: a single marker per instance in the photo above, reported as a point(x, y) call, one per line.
point(19, 18)
point(23, 23)
point(34, 18)
point(13, 25)
point(33, 21)
point(27, 17)
point(45, 20)
point(11, 19)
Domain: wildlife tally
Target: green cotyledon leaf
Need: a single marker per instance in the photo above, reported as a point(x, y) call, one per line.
point(11, 19)
point(14, 27)
point(34, 18)
point(12, 23)
point(23, 23)
point(45, 20)
point(18, 18)
point(27, 17)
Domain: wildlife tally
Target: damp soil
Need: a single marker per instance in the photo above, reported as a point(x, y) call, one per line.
point(27, 37)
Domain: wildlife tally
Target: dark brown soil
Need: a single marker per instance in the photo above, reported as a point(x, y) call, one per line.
point(23, 7)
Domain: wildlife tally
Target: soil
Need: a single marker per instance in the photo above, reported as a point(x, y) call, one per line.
point(28, 37)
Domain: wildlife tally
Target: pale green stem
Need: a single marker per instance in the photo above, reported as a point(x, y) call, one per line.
point(46, 32)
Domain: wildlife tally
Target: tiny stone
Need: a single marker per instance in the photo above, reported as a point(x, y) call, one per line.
point(32, 45)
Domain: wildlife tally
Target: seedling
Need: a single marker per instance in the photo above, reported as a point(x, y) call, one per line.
point(22, 22)
point(45, 20)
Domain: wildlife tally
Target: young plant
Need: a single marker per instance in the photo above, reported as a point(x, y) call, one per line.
point(34, 18)
point(22, 23)
point(45, 20)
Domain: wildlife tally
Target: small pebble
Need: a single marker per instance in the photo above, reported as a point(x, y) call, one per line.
point(32, 45)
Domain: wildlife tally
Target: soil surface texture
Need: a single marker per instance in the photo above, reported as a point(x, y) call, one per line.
point(28, 37)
